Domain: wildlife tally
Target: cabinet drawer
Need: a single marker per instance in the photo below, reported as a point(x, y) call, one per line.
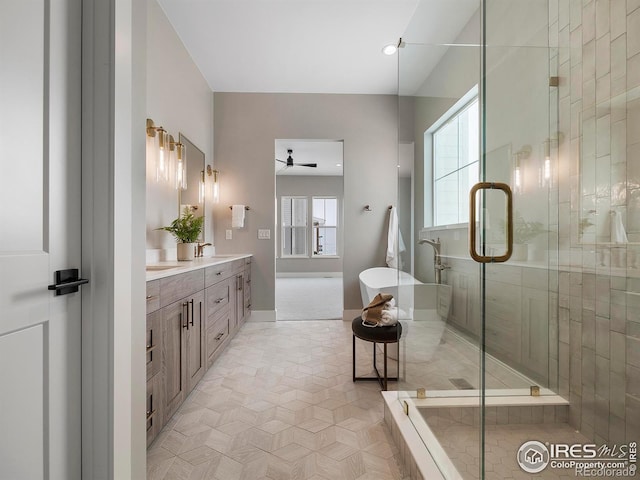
point(153, 296)
point(154, 408)
point(154, 345)
point(217, 298)
point(217, 273)
point(180, 286)
point(217, 333)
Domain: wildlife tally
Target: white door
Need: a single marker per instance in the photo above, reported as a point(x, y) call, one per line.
point(40, 351)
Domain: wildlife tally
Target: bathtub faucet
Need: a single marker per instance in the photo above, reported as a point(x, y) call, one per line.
point(438, 266)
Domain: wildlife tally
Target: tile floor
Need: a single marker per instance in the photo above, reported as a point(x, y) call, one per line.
point(280, 404)
point(461, 442)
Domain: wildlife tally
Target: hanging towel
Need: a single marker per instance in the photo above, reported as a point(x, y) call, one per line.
point(237, 216)
point(618, 234)
point(395, 244)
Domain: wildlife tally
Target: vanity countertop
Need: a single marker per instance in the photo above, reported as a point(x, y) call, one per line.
point(167, 269)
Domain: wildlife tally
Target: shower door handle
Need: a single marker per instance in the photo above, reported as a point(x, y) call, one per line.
point(472, 222)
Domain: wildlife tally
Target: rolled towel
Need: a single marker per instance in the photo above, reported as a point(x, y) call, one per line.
point(371, 314)
point(390, 304)
point(389, 317)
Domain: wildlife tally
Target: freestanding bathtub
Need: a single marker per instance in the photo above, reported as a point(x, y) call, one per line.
point(416, 300)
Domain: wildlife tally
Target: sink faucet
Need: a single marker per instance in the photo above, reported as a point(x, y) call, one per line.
point(438, 266)
point(200, 248)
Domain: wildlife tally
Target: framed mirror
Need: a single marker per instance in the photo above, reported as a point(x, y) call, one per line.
point(193, 195)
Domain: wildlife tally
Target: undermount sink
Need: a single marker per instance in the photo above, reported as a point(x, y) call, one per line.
point(157, 268)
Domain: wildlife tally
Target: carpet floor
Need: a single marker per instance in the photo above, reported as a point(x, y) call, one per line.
point(316, 298)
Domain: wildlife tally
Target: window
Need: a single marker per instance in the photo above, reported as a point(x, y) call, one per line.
point(321, 234)
point(294, 226)
point(455, 162)
point(325, 226)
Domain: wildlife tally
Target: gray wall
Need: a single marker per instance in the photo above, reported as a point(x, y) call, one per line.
point(310, 186)
point(179, 99)
point(246, 128)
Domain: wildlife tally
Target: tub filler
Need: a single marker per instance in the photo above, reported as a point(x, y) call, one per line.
point(416, 300)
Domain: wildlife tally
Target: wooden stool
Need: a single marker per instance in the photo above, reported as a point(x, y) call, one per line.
point(382, 335)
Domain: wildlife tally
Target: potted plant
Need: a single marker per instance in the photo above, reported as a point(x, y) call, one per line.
point(186, 229)
point(523, 233)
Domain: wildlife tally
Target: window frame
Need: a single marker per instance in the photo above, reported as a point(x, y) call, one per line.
point(283, 227)
point(463, 104)
point(335, 227)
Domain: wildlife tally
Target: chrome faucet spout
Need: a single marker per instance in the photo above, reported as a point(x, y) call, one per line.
point(438, 267)
point(200, 248)
point(434, 243)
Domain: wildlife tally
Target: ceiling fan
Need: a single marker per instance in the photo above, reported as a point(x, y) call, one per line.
point(290, 163)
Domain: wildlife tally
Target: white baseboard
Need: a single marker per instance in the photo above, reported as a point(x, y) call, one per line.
point(308, 274)
point(262, 316)
point(349, 315)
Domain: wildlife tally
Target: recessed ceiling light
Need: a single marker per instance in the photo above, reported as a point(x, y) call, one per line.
point(338, 164)
point(389, 49)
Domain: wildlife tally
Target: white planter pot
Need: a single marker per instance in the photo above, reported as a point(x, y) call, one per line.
point(186, 251)
point(520, 252)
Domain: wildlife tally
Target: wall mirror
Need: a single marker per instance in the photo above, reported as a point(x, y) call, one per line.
point(193, 195)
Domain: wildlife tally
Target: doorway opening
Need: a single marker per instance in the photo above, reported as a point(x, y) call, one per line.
point(309, 238)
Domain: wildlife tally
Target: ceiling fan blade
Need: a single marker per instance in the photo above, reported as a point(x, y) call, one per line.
point(314, 165)
point(281, 161)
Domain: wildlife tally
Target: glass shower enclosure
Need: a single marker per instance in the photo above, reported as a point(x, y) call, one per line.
point(520, 354)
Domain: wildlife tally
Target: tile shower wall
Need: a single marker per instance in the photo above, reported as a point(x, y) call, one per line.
point(596, 53)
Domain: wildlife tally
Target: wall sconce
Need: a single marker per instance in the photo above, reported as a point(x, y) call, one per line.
point(518, 169)
point(162, 151)
point(215, 194)
point(201, 188)
point(546, 174)
point(179, 164)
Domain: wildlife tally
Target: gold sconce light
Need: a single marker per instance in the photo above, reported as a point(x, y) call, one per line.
point(215, 184)
point(546, 170)
point(518, 167)
point(179, 164)
point(160, 149)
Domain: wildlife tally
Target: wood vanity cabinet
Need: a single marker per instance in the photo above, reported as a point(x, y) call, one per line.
point(154, 403)
point(190, 318)
point(183, 345)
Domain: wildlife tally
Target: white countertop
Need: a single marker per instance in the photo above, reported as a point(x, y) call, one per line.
point(167, 269)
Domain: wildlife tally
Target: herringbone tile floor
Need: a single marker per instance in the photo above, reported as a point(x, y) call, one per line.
point(280, 404)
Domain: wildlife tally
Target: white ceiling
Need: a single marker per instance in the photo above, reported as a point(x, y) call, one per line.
point(326, 153)
point(309, 46)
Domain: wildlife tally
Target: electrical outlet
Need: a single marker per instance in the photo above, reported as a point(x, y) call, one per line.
point(264, 234)
point(228, 234)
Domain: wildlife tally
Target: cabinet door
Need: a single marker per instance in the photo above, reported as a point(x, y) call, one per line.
point(239, 300)
point(154, 408)
point(174, 329)
point(247, 290)
point(154, 341)
point(195, 350)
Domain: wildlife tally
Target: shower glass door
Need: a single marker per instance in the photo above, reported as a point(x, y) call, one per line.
point(480, 355)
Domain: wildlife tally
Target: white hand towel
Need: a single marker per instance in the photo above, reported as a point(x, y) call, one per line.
point(389, 317)
point(237, 216)
point(390, 304)
point(618, 233)
point(395, 244)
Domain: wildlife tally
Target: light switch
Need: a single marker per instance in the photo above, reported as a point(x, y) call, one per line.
point(264, 234)
point(228, 234)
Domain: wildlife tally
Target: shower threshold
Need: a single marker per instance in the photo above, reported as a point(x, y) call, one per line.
point(439, 437)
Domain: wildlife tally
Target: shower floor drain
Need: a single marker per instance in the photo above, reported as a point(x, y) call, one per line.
point(461, 384)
